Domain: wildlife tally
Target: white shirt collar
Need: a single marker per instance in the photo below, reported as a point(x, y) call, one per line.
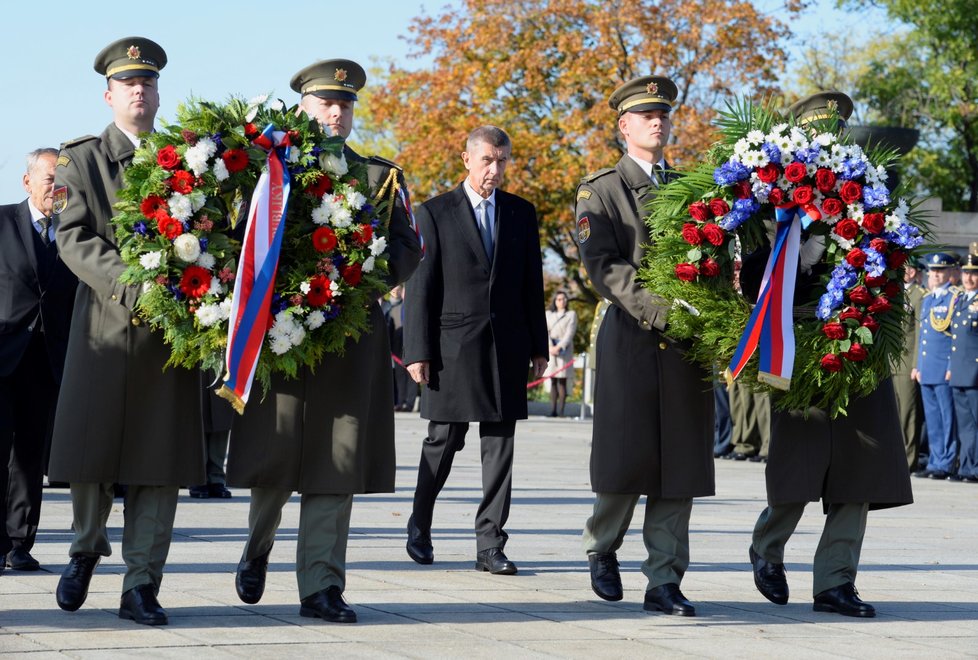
point(647, 166)
point(132, 136)
point(475, 198)
point(35, 214)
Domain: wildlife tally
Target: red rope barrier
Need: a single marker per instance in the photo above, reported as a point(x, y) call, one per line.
point(529, 386)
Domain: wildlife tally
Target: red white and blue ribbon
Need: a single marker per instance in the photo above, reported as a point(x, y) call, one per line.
point(406, 200)
point(769, 329)
point(254, 282)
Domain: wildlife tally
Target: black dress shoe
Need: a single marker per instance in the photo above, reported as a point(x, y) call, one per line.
point(940, 475)
point(249, 581)
point(669, 599)
point(328, 605)
point(758, 459)
point(140, 605)
point(923, 473)
point(605, 578)
point(419, 543)
point(739, 456)
point(21, 560)
point(494, 561)
point(843, 599)
point(218, 492)
point(73, 585)
point(201, 492)
point(769, 578)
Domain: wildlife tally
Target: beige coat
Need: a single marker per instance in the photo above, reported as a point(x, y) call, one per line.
point(561, 327)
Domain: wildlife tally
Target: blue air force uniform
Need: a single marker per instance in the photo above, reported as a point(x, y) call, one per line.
point(964, 376)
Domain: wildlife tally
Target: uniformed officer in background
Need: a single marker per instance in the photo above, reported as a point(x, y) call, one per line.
point(963, 377)
point(121, 417)
point(647, 440)
point(905, 386)
point(933, 353)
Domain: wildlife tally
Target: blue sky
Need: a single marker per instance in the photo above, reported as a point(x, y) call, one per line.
point(52, 94)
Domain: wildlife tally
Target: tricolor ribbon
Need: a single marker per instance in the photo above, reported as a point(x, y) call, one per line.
point(254, 282)
point(769, 328)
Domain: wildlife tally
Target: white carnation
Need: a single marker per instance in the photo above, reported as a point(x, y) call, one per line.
point(209, 314)
point(315, 319)
point(151, 260)
point(280, 344)
point(186, 247)
point(298, 335)
point(206, 260)
point(196, 160)
point(378, 245)
point(226, 308)
point(356, 200)
point(368, 264)
point(342, 217)
point(180, 207)
point(322, 213)
point(220, 170)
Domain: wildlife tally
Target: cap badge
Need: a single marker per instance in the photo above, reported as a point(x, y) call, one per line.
point(832, 104)
point(133, 52)
point(340, 75)
point(652, 88)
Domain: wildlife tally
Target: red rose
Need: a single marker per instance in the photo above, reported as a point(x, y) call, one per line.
point(850, 192)
point(880, 305)
point(834, 331)
point(151, 205)
point(196, 281)
point(352, 274)
point(709, 267)
point(896, 259)
point(181, 182)
point(319, 291)
point(776, 196)
point(235, 160)
point(846, 228)
point(824, 179)
point(832, 206)
point(873, 222)
point(713, 233)
point(322, 186)
point(872, 324)
point(324, 239)
point(699, 211)
point(851, 313)
point(692, 234)
point(742, 190)
point(769, 173)
point(856, 353)
point(831, 362)
point(892, 289)
point(719, 207)
point(795, 172)
point(363, 234)
point(169, 227)
point(687, 272)
point(875, 282)
point(881, 245)
point(856, 258)
point(250, 130)
point(803, 195)
point(860, 295)
point(167, 157)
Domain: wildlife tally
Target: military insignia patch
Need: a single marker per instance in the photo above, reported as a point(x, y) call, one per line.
point(583, 229)
point(340, 75)
point(584, 194)
point(133, 52)
point(63, 161)
point(652, 88)
point(60, 199)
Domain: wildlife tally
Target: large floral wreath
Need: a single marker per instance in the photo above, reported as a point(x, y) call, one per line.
point(700, 223)
point(179, 226)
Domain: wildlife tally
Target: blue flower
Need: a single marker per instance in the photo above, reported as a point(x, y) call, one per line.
point(875, 262)
point(339, 260)
point(825, 308)
point(730, 173)
point(906, 236)
point(876, 196)
point(186, 226)
point(747, 207)
point(174, 289)
point(332, 311)
point(772, 152)
point(810, 155)
point(203, 243)
point(217, 140)
point(853, 168)
point(140, 228)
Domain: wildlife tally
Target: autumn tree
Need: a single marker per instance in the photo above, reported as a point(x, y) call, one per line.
point(543, 70)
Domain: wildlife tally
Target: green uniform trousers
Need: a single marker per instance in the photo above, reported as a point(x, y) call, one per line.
point(146, 533)
point(324, 529)
point(837, 555)
point(751, 416)
point(665, 532)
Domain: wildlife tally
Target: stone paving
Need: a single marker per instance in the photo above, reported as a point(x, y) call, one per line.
point(919, 568)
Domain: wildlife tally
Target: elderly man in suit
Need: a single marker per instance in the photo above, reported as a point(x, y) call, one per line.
point(37, 293)
point(473, 323)
point(121, 417)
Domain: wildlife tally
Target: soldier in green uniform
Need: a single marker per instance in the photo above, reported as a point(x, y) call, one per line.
point(309, 435)
point(853, 463)
point(907, 389)
point(653, 410)
point(121, 418)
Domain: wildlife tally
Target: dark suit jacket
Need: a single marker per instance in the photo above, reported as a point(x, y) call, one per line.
point(33, 283)
point(477, 323)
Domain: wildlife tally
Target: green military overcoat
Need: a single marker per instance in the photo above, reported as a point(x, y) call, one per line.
point(653, 410)
point(331, 431)
point(121, 418)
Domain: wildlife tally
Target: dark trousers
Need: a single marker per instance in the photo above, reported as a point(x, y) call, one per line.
point(27, 402)
point(405, 389)
point(966, 418)
point(437, 454)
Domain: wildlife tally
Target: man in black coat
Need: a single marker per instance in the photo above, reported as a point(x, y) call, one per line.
point(473, 321)
point(37, 293)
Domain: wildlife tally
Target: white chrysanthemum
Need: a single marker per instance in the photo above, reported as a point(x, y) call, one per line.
point(315, 319)
point(209, 314)
point(824, 158)
point(342, 217)
point(298, 335)
point(356, 200)
point(186, 247)
point(333, 164)
point(836, 163)
point(798, 138)
point(856, 211)
point(881, 174)
point(220, 170)
point(778, 129)
point(151, 260)
point(811, 168)
point(831, 219)
point(787, 157)
point(368, 264)
point(226, 308)
point(180, 207)
point(784, 184)
point(279, 344)
point(333, 275)
point(755, 137)
point(892, 222)
point(305, 288)
point(206, 260)
point(742, 147)
point(378, 245)
point(322, 213)
point(825, 139)
point(216, 287)
point(843, 243)
point(755, 158)
point(196, 160)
